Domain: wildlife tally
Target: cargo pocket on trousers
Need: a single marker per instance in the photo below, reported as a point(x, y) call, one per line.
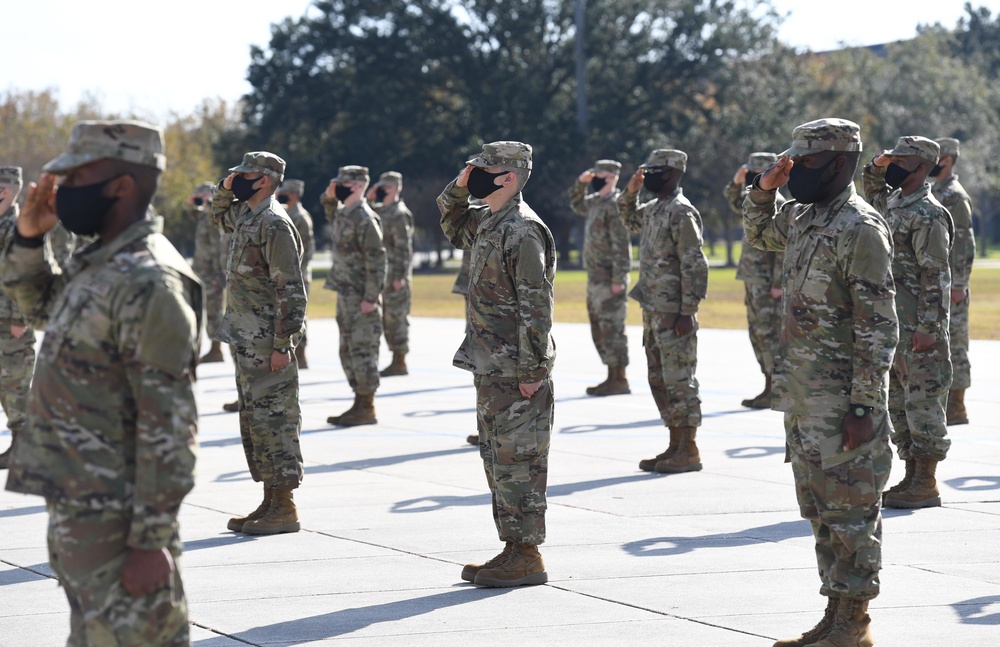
point(516, 433)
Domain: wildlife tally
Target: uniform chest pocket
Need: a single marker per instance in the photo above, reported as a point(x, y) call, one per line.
point(244, 252)
point(900, 223)
point(486, 263)
point(80, 333)
point(819, 269)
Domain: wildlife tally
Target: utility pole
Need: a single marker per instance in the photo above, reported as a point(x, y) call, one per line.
point(581, 71)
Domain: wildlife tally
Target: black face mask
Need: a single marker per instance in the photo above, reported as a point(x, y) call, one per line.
point(343, 192)
point(806, 184)
point(748, 181)
point(655, 182)
point(895, 175)
point(283, 199)
point(81, 209)
point(481, 182)
point(243, 188)
point(379, 194)
point(936, 171)
point(198, 201)
point(598, 183)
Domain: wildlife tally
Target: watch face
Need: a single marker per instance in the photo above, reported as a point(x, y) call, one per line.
point(860, 412)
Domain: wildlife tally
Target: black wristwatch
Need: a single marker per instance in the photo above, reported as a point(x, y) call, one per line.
point(860, 410)
point(283, 351)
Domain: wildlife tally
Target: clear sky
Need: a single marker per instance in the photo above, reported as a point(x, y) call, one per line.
point(154, 58)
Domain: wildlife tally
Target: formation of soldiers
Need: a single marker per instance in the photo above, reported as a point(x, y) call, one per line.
point(860, 289)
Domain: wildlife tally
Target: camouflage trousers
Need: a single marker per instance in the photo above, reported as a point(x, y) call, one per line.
point(86, 550)
point(763, 322)
point(514, 444)
point(360, 335)
point(958, 330)
point(918, 397)
point(607, 322)
point(215, 301)
point(843, 503)
point(270, 419)
point(396, 318)
point(17, 363)
point(671, 361)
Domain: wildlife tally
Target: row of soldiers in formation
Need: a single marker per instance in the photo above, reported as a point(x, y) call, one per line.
point(125, 314)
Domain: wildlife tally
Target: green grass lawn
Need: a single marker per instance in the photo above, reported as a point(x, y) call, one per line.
point(432, 297)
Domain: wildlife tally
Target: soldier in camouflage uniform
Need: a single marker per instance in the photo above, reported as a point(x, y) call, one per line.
point(607, 257)
point(265, 310)
point(760, 272)
point(949, 192)
point(397, 236)
point(895, 184)
point(211, 247)
point(509, 349)
point(673, 279)
point(839, 333)
point(110, 437)
point(17, 336)
point(290, 195)
point(358, 277)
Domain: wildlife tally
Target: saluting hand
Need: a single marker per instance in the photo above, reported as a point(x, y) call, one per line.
point(586, 176)
point(38, 216)
point(882, 160)
point(463, 177)
point(331, 191)
point(635, 182)
point(227, 184)
point(741, 175)
point(776, 174)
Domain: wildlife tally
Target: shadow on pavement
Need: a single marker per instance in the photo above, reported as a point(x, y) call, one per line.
point(586, 429)
point(969, 483)
point(20, 512)
point(974, 611)
point(366, 463)
point(754, 452)
point(667, 546)
point(219, 540)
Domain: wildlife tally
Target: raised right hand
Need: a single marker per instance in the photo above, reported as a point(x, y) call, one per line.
point(463, 177)
point(331, 190)
point(635, 182)
point(586, 176)
point(776, 174)
point(38, 215)
point(741, 175)
point(227, 184)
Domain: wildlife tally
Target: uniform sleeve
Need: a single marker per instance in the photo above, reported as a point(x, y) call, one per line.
point(402, 247)
point(534, 304)
point(630, 211)
point(694, 264)
point(159, 323)
point(459, 221)
point(876, 190)
point(734, 196)
point(931, 244)
point(578, 198)
point(876, 330)
point(620, 244)
point(281, 252)
point(32, 281)
point(330, 206)
point(766, 223)
point(777, 268)
point(373, 254)
point(304, 226)
point(224, 209)
point(963, 252)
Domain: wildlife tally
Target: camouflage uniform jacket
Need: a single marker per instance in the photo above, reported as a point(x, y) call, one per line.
point(462, 280)
point(265, 296)
point(756, 265)
point(397, 235)
point(607, 249)
point(673, 270)
point(63, 243)
point(921, 232)
point(839, 329)
point(952, 195)
point(112, 418)
point(510, 286)
point(209, 253)
point(304, 225)
point(358, 253)
point(9, 312)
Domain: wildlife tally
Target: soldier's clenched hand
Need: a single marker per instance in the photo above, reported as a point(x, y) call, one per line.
point(857, 430)
point(923, 341)
point(776, 174)
point(367, 307)
point(529, 389)
point(38, 215)
point(684, 325)
point(146, 571)
point(279, 360)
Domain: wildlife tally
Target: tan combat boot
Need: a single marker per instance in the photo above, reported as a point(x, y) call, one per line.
point(911, 468)
point(397, 367)
point(281, 515)
point(335, 420)
point(616, 384)
point(300, 355)
point(470, 570)
point(472, 439)
point(5, 457)
point(686, 458)
point(816, 632)
point(851, 626)
point(763, 400)
point(231, 407)
point(922, 492)
point(363, 415)
point(956, 414)
point(236, 523)
point(214, 354)
point(649, 464)
point(523, 566)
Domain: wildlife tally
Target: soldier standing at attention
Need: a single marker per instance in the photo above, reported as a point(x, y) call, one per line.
point(508, 348)
point(760, 272)
point(397, 237)
point(673, 279)
point(265, 310)
point(607, 257)
point(17, 336)
point(290, 196)
point(949, 192)
point(358, 277)
point(921, 229)
point(209, 264)
point(837, 342)
point(110, 435)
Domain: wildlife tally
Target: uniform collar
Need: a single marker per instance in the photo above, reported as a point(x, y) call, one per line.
point(509, 206)
point(817, 218)
point(98, 253)
point(899, 201)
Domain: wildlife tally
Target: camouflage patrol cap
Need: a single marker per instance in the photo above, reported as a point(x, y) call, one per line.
point(293, 186)
point(11, 175)
point(667, 157)
point(352, 174)
point(391, 178)
point(830, 134)
point(758, 162)
point(949, 146)
point(607, 166)
point(129, 141)
point(262, 162)
point(925, 149)
point(205, 187)
point(513, 154)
